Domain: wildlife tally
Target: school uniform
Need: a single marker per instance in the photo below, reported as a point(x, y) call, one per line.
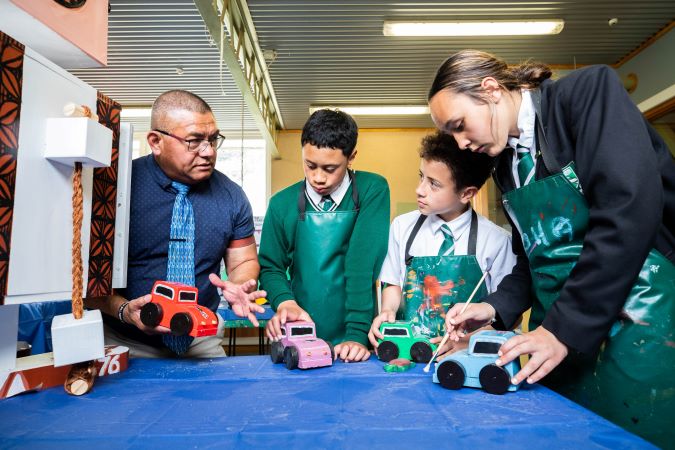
point(327, 258)
point(491, 253)
point(594, 234)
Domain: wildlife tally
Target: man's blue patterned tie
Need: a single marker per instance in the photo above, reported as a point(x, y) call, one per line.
point(181, 261)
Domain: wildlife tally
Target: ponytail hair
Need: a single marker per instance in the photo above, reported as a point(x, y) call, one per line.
point(464, 71)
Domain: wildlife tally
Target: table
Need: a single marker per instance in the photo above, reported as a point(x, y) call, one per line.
point(247, 401)
point(233, 321)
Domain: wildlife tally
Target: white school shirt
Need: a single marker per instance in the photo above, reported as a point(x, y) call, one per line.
point(315, 199)
point(493, 246)
point(526, 117)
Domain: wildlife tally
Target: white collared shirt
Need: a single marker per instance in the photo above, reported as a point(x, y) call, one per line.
point(493, 246)
point(526, 127)
point(337, 195)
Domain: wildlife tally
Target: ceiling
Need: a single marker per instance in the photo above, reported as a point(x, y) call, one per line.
point(147, 41)
point(334, 52)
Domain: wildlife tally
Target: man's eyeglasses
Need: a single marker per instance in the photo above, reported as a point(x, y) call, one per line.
point(198, 145)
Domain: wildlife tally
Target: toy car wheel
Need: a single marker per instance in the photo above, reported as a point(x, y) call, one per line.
point(277, 352)
point(450, 374)
point(181, 324)
point(494, 379)
point(151, 314)
point(387, 351)
point(291, 357)
point(420, 352)
point(332, 351)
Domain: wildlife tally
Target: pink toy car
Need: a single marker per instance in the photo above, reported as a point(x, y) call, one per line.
point(299, 347)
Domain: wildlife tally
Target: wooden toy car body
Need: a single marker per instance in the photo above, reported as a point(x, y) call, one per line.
point(174, 305)
point(400, 341)
point(299, 347)
point(475, 366)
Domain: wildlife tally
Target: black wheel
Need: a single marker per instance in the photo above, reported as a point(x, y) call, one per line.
point(332, 351)
point(277, 352)
point(494, 379)
point(151, 314)
point(291, 357)
point(420, 352)
point(387, 351)
point(181, 324)
point(451, 375)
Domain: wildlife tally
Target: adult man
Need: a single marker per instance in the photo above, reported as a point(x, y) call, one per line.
point(181, 206)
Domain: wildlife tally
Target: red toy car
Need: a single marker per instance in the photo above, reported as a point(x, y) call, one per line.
point(174, 305)
point(299, 347)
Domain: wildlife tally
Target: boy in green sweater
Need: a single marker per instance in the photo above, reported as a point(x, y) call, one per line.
point(324, 240)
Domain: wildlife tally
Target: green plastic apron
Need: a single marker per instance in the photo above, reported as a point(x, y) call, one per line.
point(318, 273)
point(434, 283)
point(632, 381)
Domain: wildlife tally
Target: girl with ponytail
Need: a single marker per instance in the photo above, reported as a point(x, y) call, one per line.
point(589, 189)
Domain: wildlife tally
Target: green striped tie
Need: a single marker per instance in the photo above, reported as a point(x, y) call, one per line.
point(326, 203)
point(525, 165)
point(448, 245)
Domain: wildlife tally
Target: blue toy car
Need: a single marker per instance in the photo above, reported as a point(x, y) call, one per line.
point(475, 366)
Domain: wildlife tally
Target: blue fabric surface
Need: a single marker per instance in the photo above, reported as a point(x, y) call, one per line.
point(35, 323)
point(249, 402)
point(228, 314)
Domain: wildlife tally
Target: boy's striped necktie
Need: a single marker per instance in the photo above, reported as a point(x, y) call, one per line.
point(326, 203)
point(448, 245)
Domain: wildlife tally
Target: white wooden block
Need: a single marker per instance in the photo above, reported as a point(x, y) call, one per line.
point(77, 340)
point(78, 139)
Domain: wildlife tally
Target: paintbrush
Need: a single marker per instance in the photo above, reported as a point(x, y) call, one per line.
point(447, 332)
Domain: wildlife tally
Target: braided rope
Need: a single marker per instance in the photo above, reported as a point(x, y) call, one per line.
point(77, 242)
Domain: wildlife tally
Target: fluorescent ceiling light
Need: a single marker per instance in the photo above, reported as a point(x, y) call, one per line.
point(377, 110)
point(473, 28)
point(135, 112)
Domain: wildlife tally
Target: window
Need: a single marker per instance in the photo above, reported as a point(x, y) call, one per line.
point(187, 296)
point(302, 331)
point(246, 164)
point(486, 348)
point(164, 291)
point(395, 332)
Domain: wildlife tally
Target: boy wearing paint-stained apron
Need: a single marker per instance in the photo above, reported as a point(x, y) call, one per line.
point(438, 253)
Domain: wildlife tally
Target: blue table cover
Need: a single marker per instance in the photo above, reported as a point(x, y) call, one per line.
point(248, 402)
point(231, 318)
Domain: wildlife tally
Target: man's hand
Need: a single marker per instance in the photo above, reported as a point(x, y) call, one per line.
point(288, 311)
point(241, 297)
point(374, 333)
point(132, 316)
point(545, 351)
point(350, 351)
point(475, 316)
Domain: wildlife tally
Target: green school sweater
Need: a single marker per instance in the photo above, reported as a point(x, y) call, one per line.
point(365, 254)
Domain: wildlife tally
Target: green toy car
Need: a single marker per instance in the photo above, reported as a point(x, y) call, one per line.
point(400, 341)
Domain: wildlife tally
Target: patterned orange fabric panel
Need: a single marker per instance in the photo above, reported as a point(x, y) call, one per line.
point(104, 206)
point(11, 76)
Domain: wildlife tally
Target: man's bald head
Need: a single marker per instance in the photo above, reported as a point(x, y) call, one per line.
point(176, 100)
